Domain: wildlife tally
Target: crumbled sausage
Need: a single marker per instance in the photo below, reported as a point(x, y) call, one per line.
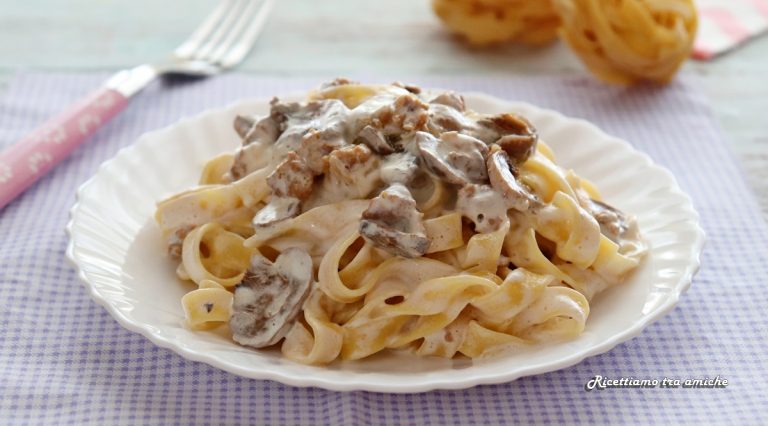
point(291, 178)
point(352, 172)
point(316, 144)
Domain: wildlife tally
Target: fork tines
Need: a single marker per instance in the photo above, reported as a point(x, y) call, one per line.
point(227, 34)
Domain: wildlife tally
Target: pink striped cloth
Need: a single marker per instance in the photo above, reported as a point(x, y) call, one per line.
point(725, 24)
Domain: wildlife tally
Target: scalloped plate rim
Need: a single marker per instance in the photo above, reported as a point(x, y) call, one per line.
point(671, 299)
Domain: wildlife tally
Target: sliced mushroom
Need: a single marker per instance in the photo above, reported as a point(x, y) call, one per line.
point(409, 87)
point(400, 167)
point(451, 99)
point(338, 81)
point(514, 134)
point(613, 223)
point(244, 123)
point(502, 175)
point(277, 210)
point(291, 178)
point(393, 223)
point(308, 126)
point(444, 118)
point(483, 206)
point(374, 138)
point(266, 131)
point(268, 300)
point(456, 158)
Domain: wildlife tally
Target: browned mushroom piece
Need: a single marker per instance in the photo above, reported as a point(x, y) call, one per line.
point(482, 205)
point(613, 222)
point(268, 300)
point(291, 178)
point(456, 158)
point(514, 134)
point(451, 99)
point(393, 223)
point(502, 175)
point(374, 138)
point(277, 210)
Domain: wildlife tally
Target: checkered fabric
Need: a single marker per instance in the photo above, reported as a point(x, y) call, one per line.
point(64, 360)
point(726, 24)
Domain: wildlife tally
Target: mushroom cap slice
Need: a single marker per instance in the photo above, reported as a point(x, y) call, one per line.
point(374, 138)
point(502, 176)
point(456, 158)
point(400, 167)
point(244, 123)
point(451, 99)
point(277, 210)
point(268, 300)
point(516, 135)
point(393, 223)
point(613, 222)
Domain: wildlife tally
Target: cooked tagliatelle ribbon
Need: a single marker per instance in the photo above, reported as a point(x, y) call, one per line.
point(382, 218)
point(210, 252)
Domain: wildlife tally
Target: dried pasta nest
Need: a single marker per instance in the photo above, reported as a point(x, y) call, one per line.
point(484, 22)
point(620, 41)
point(624, 41)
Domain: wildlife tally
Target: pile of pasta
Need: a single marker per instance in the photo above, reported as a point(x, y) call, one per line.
point(475, 291)
point(620, 41)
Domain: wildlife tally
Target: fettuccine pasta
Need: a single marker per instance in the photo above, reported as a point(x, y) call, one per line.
point(377, 217)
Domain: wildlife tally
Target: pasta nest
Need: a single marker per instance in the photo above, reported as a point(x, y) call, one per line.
point(484, 22)
point(620, 41)
point(623, 41)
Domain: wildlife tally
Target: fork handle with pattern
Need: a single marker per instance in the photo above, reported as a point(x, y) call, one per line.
point(23, 163)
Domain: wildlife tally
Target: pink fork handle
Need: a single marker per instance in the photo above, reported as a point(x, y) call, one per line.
point(33, 156)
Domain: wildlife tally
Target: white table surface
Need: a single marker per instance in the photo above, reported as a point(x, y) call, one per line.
point(338, 37)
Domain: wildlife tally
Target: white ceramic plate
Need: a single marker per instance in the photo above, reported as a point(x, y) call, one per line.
point(117, 251)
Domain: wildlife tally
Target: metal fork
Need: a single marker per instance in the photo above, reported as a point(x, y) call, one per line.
point(221, 41)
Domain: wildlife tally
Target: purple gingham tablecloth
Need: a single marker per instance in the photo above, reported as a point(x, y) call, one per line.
point(63, 359)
